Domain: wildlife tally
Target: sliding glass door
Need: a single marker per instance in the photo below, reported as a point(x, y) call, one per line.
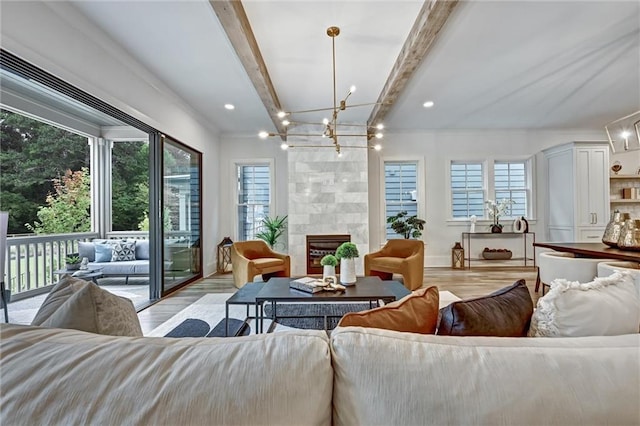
point(181, 214)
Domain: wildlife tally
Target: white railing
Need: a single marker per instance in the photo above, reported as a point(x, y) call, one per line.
point(32, 260)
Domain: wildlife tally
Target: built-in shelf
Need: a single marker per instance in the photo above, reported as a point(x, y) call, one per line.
point(624, 177)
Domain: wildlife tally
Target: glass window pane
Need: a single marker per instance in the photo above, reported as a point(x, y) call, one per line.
point(254, 195)
point(467, 189)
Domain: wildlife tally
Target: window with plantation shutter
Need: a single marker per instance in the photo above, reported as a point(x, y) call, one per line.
point(467, 190)
point(254, 197)
point(510, 182)
point(400, 190)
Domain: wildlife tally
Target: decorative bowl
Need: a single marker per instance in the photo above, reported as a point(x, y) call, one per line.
point(497, 254)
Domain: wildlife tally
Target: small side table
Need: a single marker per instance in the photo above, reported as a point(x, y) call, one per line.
point(245, 296)
point(92, 274)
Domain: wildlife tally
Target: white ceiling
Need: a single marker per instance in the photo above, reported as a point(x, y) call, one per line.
point(502, 64)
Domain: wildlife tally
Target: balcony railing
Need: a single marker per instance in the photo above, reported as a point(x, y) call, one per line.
point(32, 259)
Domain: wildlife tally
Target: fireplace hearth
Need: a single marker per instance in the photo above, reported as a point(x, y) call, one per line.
point(319, 246)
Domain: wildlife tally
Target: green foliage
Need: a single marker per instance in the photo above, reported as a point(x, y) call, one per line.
point(144, 223)
point(67, 208)
point(347, 251)
point(130, 184)
point(32, 153)
point(407, 226)
point(272, 229)
point(72, 259)
point(329, 260)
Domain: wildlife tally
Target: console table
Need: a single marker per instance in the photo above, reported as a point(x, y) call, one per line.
point(527, 237)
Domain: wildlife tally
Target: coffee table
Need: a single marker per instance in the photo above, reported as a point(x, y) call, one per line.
point(86, 274)
point(366, 289)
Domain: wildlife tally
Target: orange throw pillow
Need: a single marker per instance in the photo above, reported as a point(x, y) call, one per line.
point(414, 313)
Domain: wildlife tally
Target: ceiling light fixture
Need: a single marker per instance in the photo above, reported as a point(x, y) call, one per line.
point(428, 104)
point(627, 128)
point(329, 127)
point(229, 106)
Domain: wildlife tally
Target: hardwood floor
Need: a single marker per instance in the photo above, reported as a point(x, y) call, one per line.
point(464, 283)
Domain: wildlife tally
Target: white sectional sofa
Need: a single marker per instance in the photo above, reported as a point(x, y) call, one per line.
point(357, 377)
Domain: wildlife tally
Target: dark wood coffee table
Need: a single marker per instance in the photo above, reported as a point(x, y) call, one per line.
point(366, 289)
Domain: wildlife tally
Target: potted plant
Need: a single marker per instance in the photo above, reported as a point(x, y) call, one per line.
point(329, 263)
point(272, 229)
point(407, 226)
point(497, 209)
point(346, 253)
point(72, 261)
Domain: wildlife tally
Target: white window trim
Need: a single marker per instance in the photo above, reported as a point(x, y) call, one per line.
point(421, 187)
point(489, 187)
point(234, 179)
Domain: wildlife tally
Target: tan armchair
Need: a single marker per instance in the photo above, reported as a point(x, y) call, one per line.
point(251, 258)
point(405, 257)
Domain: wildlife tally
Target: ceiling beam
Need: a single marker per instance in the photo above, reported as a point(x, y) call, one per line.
point(431, 19)
point(236, 24)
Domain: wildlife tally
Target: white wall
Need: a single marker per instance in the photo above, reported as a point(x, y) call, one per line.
point(437, 149)
point(243, 149)
point(57, 38)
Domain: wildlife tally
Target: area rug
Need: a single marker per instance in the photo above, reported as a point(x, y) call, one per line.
point(210, 310)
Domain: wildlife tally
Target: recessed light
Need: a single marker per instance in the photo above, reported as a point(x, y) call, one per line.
point(229, 106)
point(428, 104)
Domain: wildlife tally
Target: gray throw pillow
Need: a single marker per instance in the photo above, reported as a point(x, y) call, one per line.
point(87, 249)
point(142, 249)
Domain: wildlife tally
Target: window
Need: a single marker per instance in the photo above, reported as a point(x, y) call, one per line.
point(510, 182)
point(400, 190)
point(471, 187)
point(467, 190)
point(254, 196)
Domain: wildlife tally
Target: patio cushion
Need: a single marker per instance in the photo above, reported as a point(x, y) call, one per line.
point(123, 251)
point(129, 267)
point(103, 252)
point(87, 249)
point(142, 249)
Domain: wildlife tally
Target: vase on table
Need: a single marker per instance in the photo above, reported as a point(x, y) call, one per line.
point(328, 271)
point(496, 228)
point(347, 271)
point(614, 227)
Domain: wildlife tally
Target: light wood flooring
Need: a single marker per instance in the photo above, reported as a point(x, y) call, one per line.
point(464, 283)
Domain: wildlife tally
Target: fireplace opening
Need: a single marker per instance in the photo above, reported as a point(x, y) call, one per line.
point(318, 246)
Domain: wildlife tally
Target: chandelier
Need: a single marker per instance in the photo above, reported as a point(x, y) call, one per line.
point(626, 129)
point(328, 129)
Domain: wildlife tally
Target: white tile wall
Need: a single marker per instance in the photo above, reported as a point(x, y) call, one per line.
point(328, 194)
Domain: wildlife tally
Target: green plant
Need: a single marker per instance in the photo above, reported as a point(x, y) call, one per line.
point(329, 260)
point(72, 259)
point(405, 225)
point(347, 251)
point(272, 229)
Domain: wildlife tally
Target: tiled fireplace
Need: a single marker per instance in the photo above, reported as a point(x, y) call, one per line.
point(328, 195)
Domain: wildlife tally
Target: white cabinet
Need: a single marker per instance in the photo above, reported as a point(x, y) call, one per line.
point(578, 191)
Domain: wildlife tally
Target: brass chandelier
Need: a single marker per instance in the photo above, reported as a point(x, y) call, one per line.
point(329, 126)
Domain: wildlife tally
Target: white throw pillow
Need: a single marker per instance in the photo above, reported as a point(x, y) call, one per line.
point(603, 307)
